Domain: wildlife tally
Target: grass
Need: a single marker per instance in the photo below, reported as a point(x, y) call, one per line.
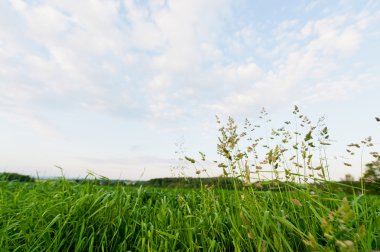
point(302, 212)
point(65, 216)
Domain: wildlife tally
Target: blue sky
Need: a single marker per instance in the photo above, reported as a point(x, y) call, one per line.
point(114, 86)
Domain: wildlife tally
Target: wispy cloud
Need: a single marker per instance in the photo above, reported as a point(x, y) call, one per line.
point(307, 55)
point(157, 58)
point(170, 66)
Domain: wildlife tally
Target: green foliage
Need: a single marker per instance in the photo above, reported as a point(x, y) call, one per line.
point(6, 176)
point(372, 173)
point(195, 183)
point(293, 152)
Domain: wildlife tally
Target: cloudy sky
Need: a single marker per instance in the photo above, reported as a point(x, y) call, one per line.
point(118, 87)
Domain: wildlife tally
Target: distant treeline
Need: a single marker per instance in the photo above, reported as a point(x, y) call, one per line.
point(188, 182)
point(349, 187)
point(232, 183)
point(7, 176)
point(369, 187)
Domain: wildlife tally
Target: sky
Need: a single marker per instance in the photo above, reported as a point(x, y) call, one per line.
point(126, 88)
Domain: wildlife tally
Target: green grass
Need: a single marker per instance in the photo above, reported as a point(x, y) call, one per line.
point(281, 199)
point(64, 216)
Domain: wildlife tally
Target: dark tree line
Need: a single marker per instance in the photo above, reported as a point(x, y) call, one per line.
point(9, 176)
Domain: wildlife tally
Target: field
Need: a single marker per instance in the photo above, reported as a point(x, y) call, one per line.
point(62, 215)
point(274, 194)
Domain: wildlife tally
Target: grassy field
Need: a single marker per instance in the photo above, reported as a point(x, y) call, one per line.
point(299, 210)
point(66, 216)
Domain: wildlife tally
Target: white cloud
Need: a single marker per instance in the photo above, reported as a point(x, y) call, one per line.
point(311, 5)
point(332, 37)
point(80, 51)
point(97, 104)
point(210, 52)
point(301, 69)
point(186, 28)
point(159, 82)
point(168, 58)
point(240, 72)
point(330, 91)
point(145, 33)
point(163, 111)
point(19, 5)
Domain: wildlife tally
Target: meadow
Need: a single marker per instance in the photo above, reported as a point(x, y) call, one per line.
point(294, 208)
point(67, 216)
